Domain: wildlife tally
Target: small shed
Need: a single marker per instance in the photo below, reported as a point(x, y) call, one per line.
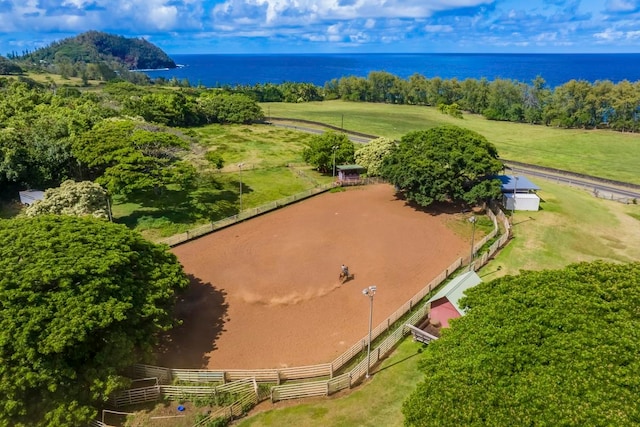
point(444, 304)
point(350, 173)
point(28, 197)
point(521, 201)
point(518, 193)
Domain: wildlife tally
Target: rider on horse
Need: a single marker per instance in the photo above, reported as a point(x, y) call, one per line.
point(345, 272)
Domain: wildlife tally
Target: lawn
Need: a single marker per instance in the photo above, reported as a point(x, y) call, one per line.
point(601, 153)
point(572, 226)
point(265, 153)
point(377, 403)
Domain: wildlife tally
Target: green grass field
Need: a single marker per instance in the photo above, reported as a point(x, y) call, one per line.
point(265, 152)
point(606, 154)
point(376, 403)
point(572, 226)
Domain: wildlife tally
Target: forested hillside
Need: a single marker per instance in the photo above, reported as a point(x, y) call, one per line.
point(95, 56)
point(95, 47)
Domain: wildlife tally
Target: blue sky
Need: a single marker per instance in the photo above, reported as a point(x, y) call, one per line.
point(328, 26)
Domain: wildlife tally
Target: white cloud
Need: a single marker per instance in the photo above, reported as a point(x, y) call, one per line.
point(282, 11)
point(546, 37)
point(438, 28)
point(609, 35)
point(81, 15)
point(622, 6)
point(633, 35)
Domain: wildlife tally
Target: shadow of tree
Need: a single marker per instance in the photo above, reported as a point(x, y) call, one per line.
point(435, 208)
point(202, 309)
point(212, 202)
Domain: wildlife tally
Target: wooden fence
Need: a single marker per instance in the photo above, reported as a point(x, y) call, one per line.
point(194, 233)
point(156, 392)
point(331, 383)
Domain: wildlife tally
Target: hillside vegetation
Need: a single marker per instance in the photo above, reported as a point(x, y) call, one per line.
point(96, 47)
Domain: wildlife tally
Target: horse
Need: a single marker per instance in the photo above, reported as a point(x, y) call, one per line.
point(345, 276)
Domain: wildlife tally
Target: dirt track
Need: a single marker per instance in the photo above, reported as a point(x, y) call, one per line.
point(265, 293)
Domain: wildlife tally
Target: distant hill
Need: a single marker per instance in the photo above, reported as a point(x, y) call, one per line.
point(98, 47)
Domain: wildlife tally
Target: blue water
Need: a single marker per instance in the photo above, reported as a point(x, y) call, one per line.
point(556, 69)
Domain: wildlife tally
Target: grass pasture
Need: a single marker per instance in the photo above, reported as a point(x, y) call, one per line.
point(377, 403)
point(572, 226)
point(601, 153)
point(265, 151)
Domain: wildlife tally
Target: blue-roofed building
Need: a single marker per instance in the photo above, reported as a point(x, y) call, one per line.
point(518, 193)
point(516, 183)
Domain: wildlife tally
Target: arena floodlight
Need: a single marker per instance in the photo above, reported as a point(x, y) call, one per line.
point(369, 292)
point(240, 165)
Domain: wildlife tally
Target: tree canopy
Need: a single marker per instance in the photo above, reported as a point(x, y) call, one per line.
point(8, 67)
point(127, 156)
point(372, 154)
point(320, 151)
point(80, 300)
point(73, 198)
point(445, 163)
point(541, 348)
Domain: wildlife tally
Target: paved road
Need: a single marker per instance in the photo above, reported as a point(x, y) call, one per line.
point(598, 188)
point(301, 127)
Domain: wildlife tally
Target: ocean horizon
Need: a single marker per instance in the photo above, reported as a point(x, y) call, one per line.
point(214, 70)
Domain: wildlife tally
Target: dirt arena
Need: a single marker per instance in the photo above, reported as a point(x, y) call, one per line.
point(265, 293)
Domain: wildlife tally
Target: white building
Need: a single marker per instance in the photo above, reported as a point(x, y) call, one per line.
point(28, 197)
point(518, 193)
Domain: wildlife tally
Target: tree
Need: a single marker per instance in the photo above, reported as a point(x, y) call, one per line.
point(320, 153)
point(372, 154)
point(445, 163)
point(127, 156)
point(9, 67)
point(81, 300)
point(73, 198)
point(541, 348)
point(229, 108)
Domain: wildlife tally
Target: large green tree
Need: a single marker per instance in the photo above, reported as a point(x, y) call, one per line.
point(80, 300)
point(372, 154)
point(445, 163)
point(229, 108)
point(127, 156)
point(549, 348)
point(73, 198)
point(327, 150)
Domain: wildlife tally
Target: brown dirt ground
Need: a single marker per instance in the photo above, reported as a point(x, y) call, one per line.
point(265, 292)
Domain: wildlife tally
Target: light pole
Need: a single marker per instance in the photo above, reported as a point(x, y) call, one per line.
point(240, 165)
point(334, 148)
point(473, 235)
point(515, 197)
point(369, 292)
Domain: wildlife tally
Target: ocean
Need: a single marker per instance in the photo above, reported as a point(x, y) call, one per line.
point(556, 69)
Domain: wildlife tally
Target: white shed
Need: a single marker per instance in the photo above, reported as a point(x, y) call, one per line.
point(521, 201)
point(28, 197)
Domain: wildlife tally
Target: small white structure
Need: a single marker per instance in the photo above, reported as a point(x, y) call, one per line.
point(29, 197)
point(521, 201)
